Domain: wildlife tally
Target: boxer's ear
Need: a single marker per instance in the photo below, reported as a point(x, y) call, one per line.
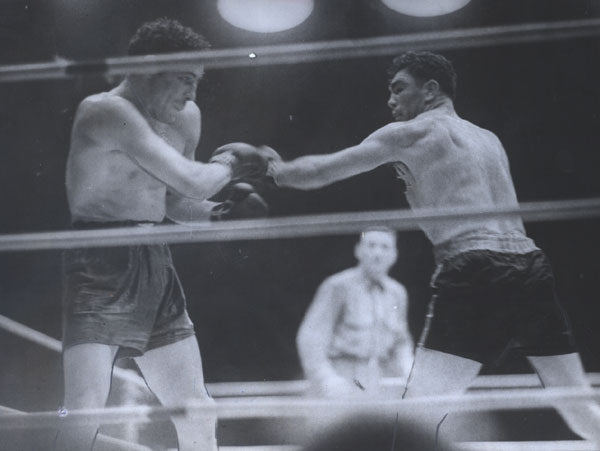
point(431, 89)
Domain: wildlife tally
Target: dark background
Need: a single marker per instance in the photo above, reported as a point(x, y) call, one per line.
point(247, 298)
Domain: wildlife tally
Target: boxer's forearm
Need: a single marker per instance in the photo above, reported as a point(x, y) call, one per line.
point(308, 172)
point(316, 171)
point(184, 209)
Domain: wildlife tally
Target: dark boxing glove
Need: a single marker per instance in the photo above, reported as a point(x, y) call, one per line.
point(239, 201)
point(245, 161)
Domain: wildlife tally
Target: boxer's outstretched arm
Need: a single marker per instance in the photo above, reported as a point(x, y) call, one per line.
point(383, 146)
point(316, 171)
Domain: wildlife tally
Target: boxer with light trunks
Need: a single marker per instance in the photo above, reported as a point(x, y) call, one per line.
point(493, 288)
point(131, 162)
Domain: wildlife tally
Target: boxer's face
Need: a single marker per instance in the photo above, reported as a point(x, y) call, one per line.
point(407, 96)
point(376, 252)
point(172, 90)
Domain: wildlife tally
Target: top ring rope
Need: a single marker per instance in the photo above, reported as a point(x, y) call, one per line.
point(294, 226)
point(307, 52)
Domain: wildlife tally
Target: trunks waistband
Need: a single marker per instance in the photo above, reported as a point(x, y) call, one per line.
point(514, 242)
point(88, 225)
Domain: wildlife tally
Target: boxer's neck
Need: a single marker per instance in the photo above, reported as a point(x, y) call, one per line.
point(139, 93)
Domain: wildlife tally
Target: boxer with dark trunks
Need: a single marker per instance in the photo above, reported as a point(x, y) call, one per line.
point(128, 297)
point(132, 162)
point(493, 288)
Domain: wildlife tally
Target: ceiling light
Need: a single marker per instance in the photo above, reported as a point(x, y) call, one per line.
point(425, 8)
point(265, 16)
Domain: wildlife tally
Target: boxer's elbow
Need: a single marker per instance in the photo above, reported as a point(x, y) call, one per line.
point(201, 181)
point(192, 188)
point(184, 209)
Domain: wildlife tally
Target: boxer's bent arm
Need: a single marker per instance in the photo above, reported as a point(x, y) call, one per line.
point(184, 209)
point(316, 333)
point(116, 124)
point(383, 146)
point(193, 128)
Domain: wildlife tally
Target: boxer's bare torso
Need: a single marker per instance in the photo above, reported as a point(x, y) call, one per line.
point(104, 183)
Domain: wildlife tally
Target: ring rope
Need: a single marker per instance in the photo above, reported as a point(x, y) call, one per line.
point(552, 445)
point(293, 226)
point(300, 387)
point(263, 448)
point(55, 345)
point(285, 408)
point(101, 438)
point(308, 52)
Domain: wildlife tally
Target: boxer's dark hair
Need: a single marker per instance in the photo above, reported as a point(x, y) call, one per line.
point(425, 66)
point(165, 35)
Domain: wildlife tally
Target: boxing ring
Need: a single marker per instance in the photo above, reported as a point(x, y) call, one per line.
point(284, 399)
point(281, 399)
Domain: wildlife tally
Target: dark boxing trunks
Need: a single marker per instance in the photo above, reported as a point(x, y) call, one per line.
point(129, 296)
point(485, 302)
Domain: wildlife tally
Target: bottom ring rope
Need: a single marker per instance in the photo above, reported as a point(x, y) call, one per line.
point(100, 438)
point(281, 408)
point(555, 445)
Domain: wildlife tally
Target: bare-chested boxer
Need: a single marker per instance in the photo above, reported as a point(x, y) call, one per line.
point(493, 288)
point(131, 162)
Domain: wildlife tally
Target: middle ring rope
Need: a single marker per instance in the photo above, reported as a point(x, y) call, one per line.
point(293, 226)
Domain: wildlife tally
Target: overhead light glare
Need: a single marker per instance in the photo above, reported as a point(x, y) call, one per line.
point(425, 8)
point(265, 16)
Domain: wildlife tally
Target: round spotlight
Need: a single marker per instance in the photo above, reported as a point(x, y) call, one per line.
point(425, 8)
point(265, 16)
